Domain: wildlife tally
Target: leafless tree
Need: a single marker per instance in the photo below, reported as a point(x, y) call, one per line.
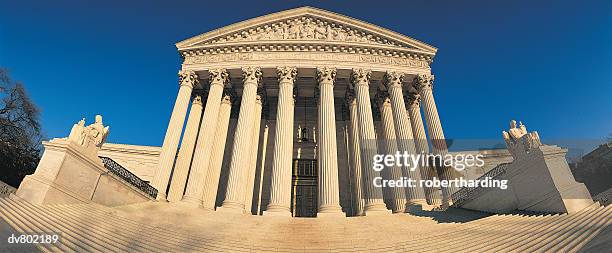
point(20, 131)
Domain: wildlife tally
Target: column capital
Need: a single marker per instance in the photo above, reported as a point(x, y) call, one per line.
point(228, 96)
point(218, 76)
point(188, 78)
point(423, 81)
point(252, 74)
point(413, 99)
point(393, 79)
point(326, 75)
point(286, 74)
point(382, 99)
point(360, 77)
point(197, 100)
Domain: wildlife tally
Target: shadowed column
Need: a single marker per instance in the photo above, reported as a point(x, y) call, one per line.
point(234, 198)
point(374, 203)
point(187, 79)
point(211, 181)
point(329, 194)
point(280, 195)
point(355, 154)
point(405, 139)
point(195, 185)
point(390, 141)
point(432, 195)
point(424, 84)
point(181, 169)
point(252, 163)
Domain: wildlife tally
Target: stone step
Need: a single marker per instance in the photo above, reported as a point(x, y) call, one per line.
point(452, 235)
point(477, 233)
point(576, 233)
point(94, 228)
point(25, 228)
point(526, 232)
point(545, 237)
point(93, 232)
point(29, 227)
point(505, 233)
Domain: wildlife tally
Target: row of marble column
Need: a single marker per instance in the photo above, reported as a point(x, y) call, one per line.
point(198, 167)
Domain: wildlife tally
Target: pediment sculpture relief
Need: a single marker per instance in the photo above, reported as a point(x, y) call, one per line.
point(305, 28)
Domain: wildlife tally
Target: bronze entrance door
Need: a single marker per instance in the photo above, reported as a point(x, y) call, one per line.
point(304, 190)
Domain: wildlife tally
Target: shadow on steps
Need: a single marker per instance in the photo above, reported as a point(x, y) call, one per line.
point(451, 215)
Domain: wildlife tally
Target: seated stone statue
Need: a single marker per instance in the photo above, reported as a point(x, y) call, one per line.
point(77, 133)
point(519, 141)
point(90, 136)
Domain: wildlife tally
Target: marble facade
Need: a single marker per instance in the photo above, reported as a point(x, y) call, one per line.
point(301, 72)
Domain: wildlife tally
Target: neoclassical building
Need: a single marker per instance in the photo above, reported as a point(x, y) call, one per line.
point(283, 114)
point(279, 117)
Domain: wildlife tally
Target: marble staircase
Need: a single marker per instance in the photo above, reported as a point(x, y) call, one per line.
point(162, 227)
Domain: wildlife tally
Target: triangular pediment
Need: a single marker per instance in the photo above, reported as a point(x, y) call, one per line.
point(306, 24)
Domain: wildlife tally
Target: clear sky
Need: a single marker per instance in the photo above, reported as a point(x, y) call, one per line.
point(548, 63)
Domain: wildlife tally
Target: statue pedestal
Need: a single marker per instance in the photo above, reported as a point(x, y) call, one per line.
point(538, 180)
point(72, 173)
point(542, 181)
point(65, 174)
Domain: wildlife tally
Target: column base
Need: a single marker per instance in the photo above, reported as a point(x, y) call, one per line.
point(330, 211)
point(401, 207)
point(376, 209)
point(377, 212)
point(331, 215)
point(278, 211)
point(278, 214)
point(190, 201)
point(231, 207)
point(161, 197)
point(415, 206)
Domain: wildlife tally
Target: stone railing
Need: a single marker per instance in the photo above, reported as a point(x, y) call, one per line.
point(6, 189)
point(468, 193)
point(128, 176)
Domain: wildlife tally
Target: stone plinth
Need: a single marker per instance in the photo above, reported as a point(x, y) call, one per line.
point(67, 173)
point(539, 180)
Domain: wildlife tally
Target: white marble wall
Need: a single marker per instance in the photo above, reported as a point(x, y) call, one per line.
point(140, 160)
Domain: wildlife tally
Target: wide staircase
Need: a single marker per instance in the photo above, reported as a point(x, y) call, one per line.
point(162, 227)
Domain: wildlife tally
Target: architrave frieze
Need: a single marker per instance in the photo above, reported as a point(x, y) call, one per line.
point(306, 60)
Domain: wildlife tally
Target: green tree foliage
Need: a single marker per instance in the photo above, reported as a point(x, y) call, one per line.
point(20, 131)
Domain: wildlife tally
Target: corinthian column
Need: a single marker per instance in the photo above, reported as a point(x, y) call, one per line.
point(432, 195)
point(252, 163)
point(374, 203)
point(195, 186)
point(211, 181)
point(405, 140)
point(355, 153)
point(234, 198)
point(179, 177)
point(424, 84)
point(187, 79)
point(280, 196)
point(329, 194)
point(390, 141)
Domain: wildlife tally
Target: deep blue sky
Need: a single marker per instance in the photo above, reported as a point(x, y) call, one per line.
point(548, 64)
